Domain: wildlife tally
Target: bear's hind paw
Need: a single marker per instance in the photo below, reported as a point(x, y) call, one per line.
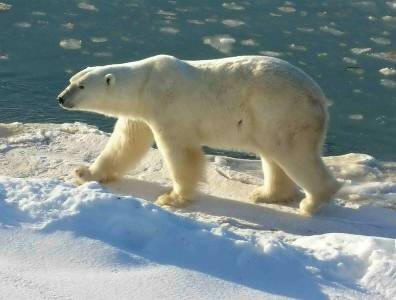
point(171, 199)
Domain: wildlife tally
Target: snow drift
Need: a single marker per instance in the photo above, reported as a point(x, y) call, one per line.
point(59, 240)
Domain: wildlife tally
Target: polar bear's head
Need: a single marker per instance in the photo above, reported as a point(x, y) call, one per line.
point(90, 89)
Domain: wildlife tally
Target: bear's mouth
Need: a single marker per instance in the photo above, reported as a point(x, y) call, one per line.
point(66, 105)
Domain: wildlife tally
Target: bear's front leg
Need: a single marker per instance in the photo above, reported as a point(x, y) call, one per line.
point(185, 164)
point(128, 143)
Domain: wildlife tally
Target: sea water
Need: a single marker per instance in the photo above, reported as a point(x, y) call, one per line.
point(348, 47)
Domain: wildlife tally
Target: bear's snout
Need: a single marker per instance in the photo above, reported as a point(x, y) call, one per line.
point(61, 100)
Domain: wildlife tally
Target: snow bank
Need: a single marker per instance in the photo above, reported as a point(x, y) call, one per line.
point(58, 240)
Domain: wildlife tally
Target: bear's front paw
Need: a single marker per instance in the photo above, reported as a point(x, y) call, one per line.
point(83, 174)
point(171, 199)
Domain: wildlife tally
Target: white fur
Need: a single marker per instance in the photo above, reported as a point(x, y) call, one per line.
point(253, 103)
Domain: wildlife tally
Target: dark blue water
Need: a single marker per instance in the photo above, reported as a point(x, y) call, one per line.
point(341, 44)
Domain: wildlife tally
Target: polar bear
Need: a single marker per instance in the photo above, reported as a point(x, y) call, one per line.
point(252, 103)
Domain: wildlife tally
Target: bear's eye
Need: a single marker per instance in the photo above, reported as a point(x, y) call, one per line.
point(81, 87)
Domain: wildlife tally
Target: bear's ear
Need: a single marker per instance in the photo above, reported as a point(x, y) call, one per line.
point(109, 79)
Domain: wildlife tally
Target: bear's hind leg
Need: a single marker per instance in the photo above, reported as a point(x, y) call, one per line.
point(278, 187)
point(128, 143)
point(309, 172)
point(185, 164)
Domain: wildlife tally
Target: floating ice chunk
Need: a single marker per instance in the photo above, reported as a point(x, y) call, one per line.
point(275, 15)
point(233, 6)
point(367, 6)
point(23, 25)
point(125, 39)
point(271, 53)
point(388, 83)
point(356, 70)
point(196, 22)
point(169, 30)
point(233, 23)
point(357, 91)
point(390, 19)
point(322, 54)
point(297, 47)
point(166, 13)
point(99, 39)
point(68, 26)
point(305, 29)
point(349, 60)
point(287, 9)
point(331, 30)
point(211, 20)
point(391, 4)
point(70, 44)
point(359, 51)
point(222, 43)
point(249, 42)
point(39, 13)
point(389, 56)
point(103, 54)
point(5, 6)
point(381, 40)
point(87, 6)
point(357, 117)
point(387, 71)
point(3, 56)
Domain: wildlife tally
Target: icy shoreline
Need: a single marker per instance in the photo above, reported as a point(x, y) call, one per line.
point(60, 240)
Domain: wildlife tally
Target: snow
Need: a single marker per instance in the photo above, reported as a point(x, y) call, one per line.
point(59, 240)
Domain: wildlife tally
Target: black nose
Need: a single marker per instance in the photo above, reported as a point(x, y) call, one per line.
point(61, 100)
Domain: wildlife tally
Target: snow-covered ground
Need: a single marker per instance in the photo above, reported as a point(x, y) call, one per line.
point(62, 241)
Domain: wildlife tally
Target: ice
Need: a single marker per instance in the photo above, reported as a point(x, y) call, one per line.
point(5, 7)
point(389, 19)
point(249, 42)
point(59, 240)
point(392, 4)
point(196, 22)
point(297, 47)
point(287, 9)
point(99, 39)
point(23, 24)
point(232, 23)
point(359, 51)
point(71, 44)
point(233, 6)
point(68, 26)
point(222, 43)
point(388, 56)
point(366, 6)
point(349, 60)
point(388, 83)
point(169, 30)
point(87, 6)
point(305, 29)
point(103, 54)
point(387, 71)
point(39, 13)
point(331, 30)
point(381, 40)
point(356, 117)
point(271, 53)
